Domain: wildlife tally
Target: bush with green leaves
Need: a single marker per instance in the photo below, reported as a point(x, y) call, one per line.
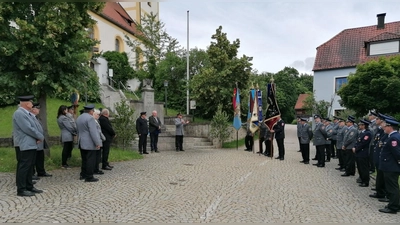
point(219, 125)
point(124, 125)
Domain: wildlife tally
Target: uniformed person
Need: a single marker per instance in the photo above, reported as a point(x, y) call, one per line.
point(390, 165)
point(306, 135)
point(142, 129)
point(328, 142)
point(340, 131)
point(279, 130)
point(349, 140)
point(299, 126)
point(361, 150)
point(335, 127)
point(320, 137)
point(263, 136)
point(378, 142)
point(373, 127)
point(26, 136)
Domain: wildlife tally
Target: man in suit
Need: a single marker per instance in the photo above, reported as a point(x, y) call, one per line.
point(179, 123)
point(390, 165)
point(349, 140)
point(109, 133)
point(39, 162)
point(279, 130)
point(306, 135)
point(142, 129)
point(26, 135)
point(320, 137)
point(89, 142)
point(155, 129)
point(361, 150)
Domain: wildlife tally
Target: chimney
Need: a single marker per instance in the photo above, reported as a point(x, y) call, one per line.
point(381, 21)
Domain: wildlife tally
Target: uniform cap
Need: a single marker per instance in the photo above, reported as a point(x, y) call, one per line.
point(90, 106)
point(327, 119)
point(316, 116)
point(304, 119)
point(36, 105)
point(391, 122)
point(143, 113)
point(26, 98)
point(372, 113)
point(351, 119)
point(364, 122)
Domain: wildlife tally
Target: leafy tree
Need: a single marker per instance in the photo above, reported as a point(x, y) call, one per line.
point(374, 85)
point(219, 125)
point(44, 48)
point(150, 45)
point(124, 124)
point(214, 84)
point(313, 106)
point(119, 62)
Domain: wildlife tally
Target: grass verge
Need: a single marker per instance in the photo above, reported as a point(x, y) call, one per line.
point(8, 162)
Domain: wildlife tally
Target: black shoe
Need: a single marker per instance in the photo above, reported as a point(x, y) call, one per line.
point(359, 180)
point(387, 210)
point(278, 157)
point(383, 199)
point(268, 155)
point(314, 159)
point(157, 151)
point(375, 195)
point(182, 150)
point(34, 182)
point(281, 158)
point(345, 175)
point(82, 178)
point(106, 168)
point(327, 160)
point(145, 153)
point(99, 172)
point(110, 166)
point(343, 170)
point(340, 168)
point(45, 175)
point(315, 164)
point(306, 162)
point(91, 179)
point(321, 166)
point(26, 194)
point(363, 185)
point(299, 151)
point(302, 161)
point(35, 190)
point(35, 177)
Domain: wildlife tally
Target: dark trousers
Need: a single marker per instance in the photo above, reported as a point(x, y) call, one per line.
point(66, 152)
point(154, 140)
point(299, 138)
point(39, 163)
point(260, 145)
point(142, 143)
point(88, 163)
point(249, 142)
point(333, 148)
point(321, 154)
point(281, 148)
point(268, 147)
point(105, 153)
point(26, 161)
point(392, 189)
point(327, 152)
point(363, 168)
point(371, 159)
point(98, 160)
point(380, 182)
point(179, 142)
point(349, 162)
point(305, 151)
point(339, 154)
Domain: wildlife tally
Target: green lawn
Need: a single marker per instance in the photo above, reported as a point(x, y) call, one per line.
point(52, 109)
point(8, 162)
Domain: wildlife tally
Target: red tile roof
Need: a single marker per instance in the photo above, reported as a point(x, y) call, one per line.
point(300, 101)
point(348, 48)
point(117, 15)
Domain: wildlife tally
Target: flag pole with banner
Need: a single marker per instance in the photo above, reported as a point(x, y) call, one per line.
point(260, 117)
point(237, 123)
point(272, 111)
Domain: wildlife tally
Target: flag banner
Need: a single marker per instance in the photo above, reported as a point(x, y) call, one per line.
point(236, 107)
point(254, 114)
point(259, 101)
point(272, 110)
point(251, 104)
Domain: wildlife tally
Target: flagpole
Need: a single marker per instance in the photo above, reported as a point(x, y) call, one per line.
point(187, 67)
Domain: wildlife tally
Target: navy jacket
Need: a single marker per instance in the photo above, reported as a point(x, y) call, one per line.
point(390, 155)
point(279, 129)
point(377, 145)
point(362, 144)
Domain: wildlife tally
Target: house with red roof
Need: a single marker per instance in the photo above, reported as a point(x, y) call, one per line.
point(339, 56)
point(116, 20)
point(299, 107)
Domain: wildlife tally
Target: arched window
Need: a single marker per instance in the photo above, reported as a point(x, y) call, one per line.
point(117, 47)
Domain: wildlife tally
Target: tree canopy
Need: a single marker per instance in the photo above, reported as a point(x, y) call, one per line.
point(374, 86)
point(119, 62)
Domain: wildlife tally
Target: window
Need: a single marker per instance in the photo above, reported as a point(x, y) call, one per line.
point(384, 48)
point(339, 81)
point(117, 47)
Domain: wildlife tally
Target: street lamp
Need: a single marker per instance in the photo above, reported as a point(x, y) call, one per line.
point(166, 86)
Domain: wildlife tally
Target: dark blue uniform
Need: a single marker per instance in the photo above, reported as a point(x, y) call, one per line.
point(279, 129)
point(362, 156)
point(378, 143)
point(390, 165)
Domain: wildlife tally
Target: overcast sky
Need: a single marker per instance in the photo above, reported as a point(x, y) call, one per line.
point(276, 33)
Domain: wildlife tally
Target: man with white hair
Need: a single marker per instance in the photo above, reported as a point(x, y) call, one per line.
point(109, 133)
point(154, 129)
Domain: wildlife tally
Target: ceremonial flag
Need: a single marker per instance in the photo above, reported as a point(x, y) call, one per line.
point(272, 111)
point(259, 101)
point(254, 111)
point(236, 107)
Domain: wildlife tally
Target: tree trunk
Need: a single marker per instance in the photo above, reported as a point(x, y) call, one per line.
point(43, 120)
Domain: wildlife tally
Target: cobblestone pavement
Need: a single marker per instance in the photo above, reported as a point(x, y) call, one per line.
point(210, 185)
